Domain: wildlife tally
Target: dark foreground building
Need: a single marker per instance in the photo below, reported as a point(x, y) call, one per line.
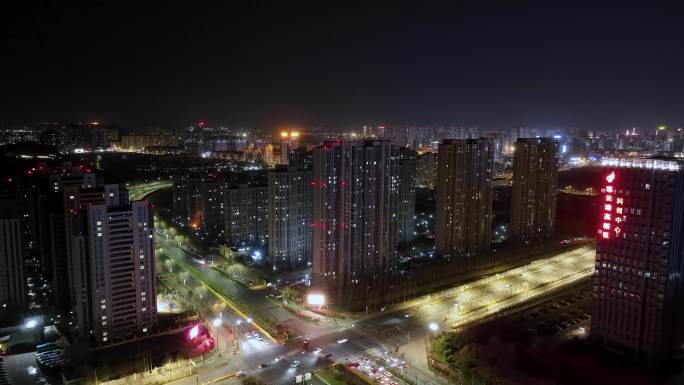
point(638, 290)
point(464, 198)
point(535, 183)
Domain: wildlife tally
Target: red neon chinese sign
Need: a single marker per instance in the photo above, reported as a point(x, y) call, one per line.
point(611, 215)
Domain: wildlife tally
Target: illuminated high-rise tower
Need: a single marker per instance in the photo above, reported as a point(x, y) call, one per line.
point(289, 216)
point(638, 290)
point(355, 199)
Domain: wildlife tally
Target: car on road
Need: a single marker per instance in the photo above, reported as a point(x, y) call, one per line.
point(263, 366)
point(280, 357)
point(317, 350)
point(342, 340)
point(294, 364)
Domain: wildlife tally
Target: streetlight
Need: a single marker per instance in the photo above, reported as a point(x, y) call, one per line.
point(216, 323)
point(433, 326)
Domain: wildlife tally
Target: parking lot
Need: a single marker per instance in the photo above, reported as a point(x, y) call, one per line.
point(566, 316)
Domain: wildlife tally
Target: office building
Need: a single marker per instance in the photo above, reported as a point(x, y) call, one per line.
point(289, 216)
point(355, 199)
point(12, 290)
point(246, 215)
point(535, 180)
point(638, 292)
point(464, 198)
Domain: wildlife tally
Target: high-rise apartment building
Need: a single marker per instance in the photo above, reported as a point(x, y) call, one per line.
point(535, 180)
point(406, 210)
point(112, 248)
point(12, 291)
point(355, 199)
point(289, 216)
point(246, 214)
point(464, 198)
point(211, 206)
point(426, 170)
point(187, 194)
point(638, 291)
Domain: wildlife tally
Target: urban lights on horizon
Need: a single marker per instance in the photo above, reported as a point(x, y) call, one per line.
point(289, 134)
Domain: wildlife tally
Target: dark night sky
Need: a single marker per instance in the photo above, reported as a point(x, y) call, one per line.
point(259, 64)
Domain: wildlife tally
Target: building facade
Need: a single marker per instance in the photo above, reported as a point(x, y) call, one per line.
point(289, 217)
point(246, 214)
point(426, 170)
point(464, 198)
point(113, 256)
point(12, 288)
point(187, 204)
point(406, 211)
point(535, 185)
point(638, 291)
point(355, 200)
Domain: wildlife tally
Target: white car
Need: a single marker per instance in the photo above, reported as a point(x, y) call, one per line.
point(342, 340)
point(317, 350)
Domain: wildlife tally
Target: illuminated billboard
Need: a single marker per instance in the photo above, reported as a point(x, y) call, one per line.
point(315, 299)
point(612, 215)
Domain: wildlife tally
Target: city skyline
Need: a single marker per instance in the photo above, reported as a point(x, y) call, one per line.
point(255, 193)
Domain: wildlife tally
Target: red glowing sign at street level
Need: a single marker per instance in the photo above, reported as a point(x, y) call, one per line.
point(610, 202)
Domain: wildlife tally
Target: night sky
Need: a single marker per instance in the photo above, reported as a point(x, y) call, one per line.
point(263, 64)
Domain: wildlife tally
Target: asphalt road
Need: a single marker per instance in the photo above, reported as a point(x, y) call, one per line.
point(402, 331)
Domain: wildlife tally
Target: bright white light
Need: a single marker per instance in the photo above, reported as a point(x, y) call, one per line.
point(31, 324)
point(194, 332)
point(249, 320)
point(433, 326)
point(31, 370)
point(315, 299)
point(216, 322)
